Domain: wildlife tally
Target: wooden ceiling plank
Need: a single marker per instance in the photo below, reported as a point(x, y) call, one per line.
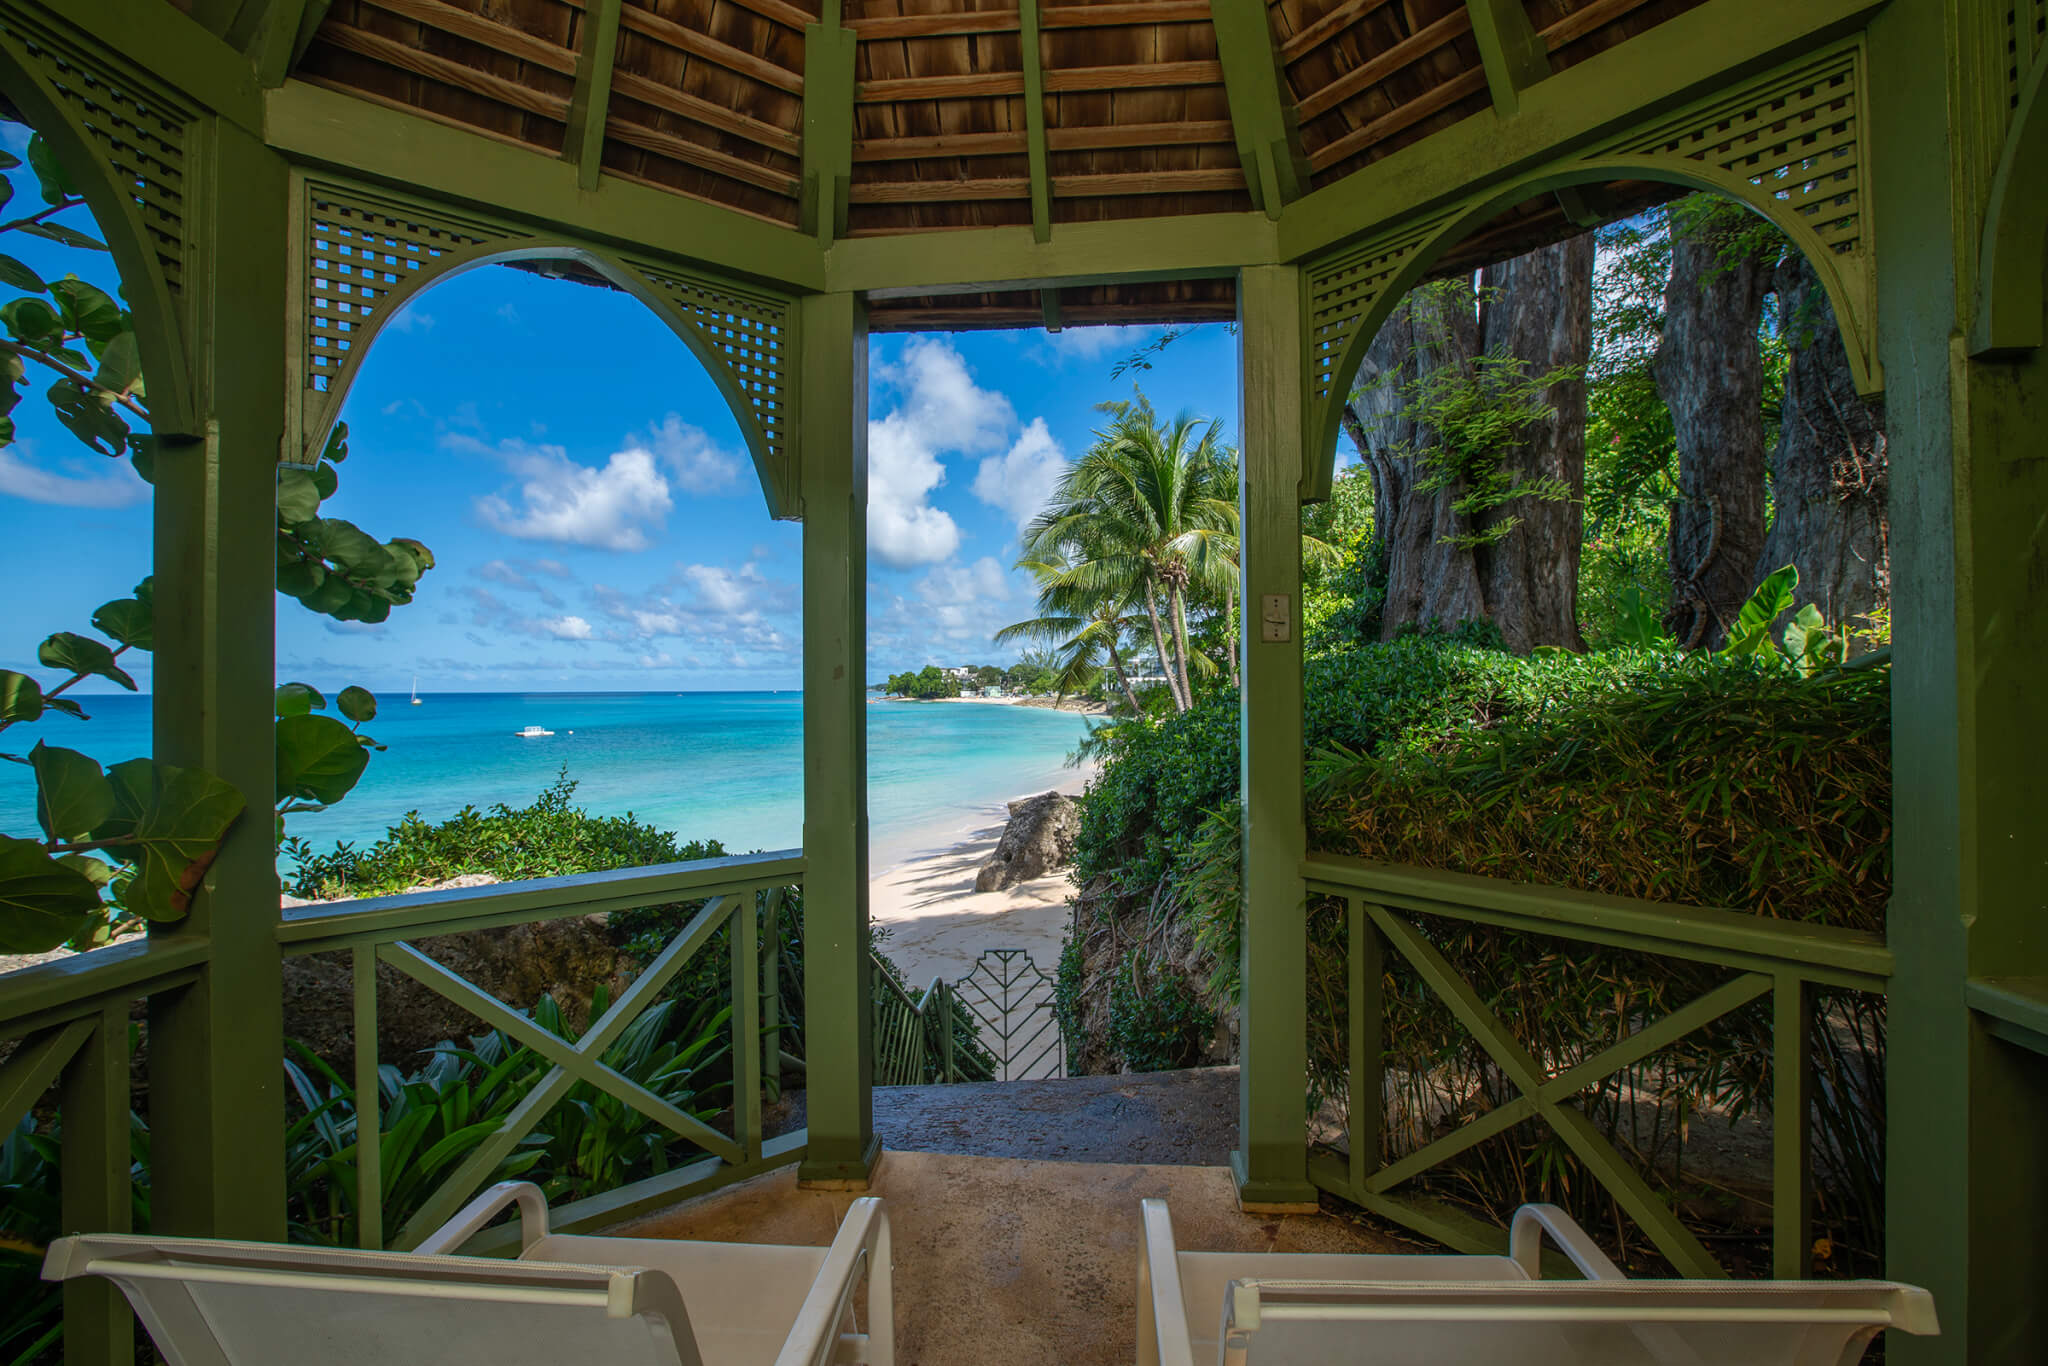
point(651, 25)
point(498, 37)
point(1080, 186)
point(884, 27)
point(1513, 56)
point(780, 11)
point(717, 116)
point(467, 78)
point(1299, 45)
point(706, 158)
point(1120, 15)
point(971, 85)
point(1012, 144)
point(1396, 58)
point(958, 25)
point(1402, 116)
point(583, 142)
point(1581, 22)
point(829, 50)
point(1261, 106)
point(943, 145)
point(1034, 122)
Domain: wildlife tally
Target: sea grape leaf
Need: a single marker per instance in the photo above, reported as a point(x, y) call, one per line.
point(357, 704)
point(349, 547)
point(96, 871)
point(21, 697)
point(50, 178)
point(337, 444)
point(44, 902)
point(90, 416)
point(171, 821)
point(72, 794)
point(325, 480)
point(300, 578)
point(8, 161)
point(87, 309)
point(318, 759)
point(298, 496)
point(78, 654)
point(29, 320)
point(13, 272)
point(296, 699)
point(120, 369)
point(58, 233)
point(128, 621)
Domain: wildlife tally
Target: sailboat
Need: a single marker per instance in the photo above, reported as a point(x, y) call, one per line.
point(415, 690)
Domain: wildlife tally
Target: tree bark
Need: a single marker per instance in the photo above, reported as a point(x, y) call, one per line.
point(1180, 702)
point(1710, 374)
point(1123, 680)
point(1829, 470)
point(1538, 308)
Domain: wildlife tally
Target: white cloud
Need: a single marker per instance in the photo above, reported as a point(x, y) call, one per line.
point(955, 602)
point(692, 458)
point(560, 500)
point(118, 487)
point(411, 320)
point(1021, 480)
point(719, 589)
point(942, 411)
point(1093, 343)
point(518, 576)
point(567, 628)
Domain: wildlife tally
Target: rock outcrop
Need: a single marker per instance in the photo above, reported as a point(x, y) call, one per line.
point(1038, 840)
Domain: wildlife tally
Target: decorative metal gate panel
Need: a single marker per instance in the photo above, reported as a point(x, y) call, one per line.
point(1011, 999)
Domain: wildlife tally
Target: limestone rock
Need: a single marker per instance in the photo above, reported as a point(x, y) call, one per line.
point(1038, 840)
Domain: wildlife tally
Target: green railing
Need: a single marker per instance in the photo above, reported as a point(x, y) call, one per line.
point(68, 1023)
point(742, 893)
point(917, 1039)
point(1783, 960)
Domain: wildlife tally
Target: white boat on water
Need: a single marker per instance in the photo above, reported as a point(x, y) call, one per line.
point(533, 732)
point(415, 690)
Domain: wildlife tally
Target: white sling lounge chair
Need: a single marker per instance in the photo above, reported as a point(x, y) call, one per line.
point(567, 1300)
point(1329, 1309)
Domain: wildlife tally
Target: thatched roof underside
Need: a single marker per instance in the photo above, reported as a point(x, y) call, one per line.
point(707, 102)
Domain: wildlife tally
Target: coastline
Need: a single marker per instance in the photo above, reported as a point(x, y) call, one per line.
point(1075, 705)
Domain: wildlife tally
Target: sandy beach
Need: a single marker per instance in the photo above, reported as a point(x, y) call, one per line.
point(938, 924)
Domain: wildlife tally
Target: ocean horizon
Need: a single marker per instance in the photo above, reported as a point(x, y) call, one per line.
point(708, 765)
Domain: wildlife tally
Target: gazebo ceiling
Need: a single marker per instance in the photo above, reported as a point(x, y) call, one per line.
point(1138, 114)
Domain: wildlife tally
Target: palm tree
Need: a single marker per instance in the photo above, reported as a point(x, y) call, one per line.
point(1082, 626)
point(1148, 515)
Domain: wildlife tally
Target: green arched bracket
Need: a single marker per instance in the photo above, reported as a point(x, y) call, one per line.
point(2014, 253)
point(363, 255)
point(1788, 144)
point(121, 139)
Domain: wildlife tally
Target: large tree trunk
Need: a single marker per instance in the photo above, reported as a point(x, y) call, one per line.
point(1710, 374)
point(1829, 470)
point(1429, 579)
point(1539, 310)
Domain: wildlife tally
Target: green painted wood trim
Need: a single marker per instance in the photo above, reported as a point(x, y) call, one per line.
point(96, 1191)
point(829, 50)
point(838, 981)
point(1273, 1023)
point(583, 140)
point(1433, 1219)
point(771, 990)
point(1195, 247)
point(1034, 120)
point(2010, 265)
point(1702, 50)
point(1365, 1054)
point(416, 915)
point(1791, 1130)
point(317, 127)
point(1261, 107)
point(36, 1065)
point(1513, 55)
point(744, 951)
point(369, 1098)
point(172, 47)
point(33, 998)
point(1819, 953)
point(580, 1060)
point(2014, 1008)
point(273, 42)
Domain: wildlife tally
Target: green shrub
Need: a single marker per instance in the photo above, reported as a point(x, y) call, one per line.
point(1156, 1023)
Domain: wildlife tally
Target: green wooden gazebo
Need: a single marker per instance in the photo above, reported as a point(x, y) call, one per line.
point(777, 178)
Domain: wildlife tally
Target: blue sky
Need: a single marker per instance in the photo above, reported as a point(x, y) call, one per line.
point(595, 516)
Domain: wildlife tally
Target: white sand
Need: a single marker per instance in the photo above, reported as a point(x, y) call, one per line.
point(938, 924)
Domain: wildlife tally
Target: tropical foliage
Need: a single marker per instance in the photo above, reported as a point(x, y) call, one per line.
point(128, 843)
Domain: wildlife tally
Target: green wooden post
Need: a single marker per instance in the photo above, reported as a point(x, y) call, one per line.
point(1791, 1129)
point(216, 1047)
point(746, 1027)
point(1271, 1162)
point(1367, 1088)
point(1966, 1189)
point(369, 1101)
point(96, 1195)
point(832, 431)
point(771, 990)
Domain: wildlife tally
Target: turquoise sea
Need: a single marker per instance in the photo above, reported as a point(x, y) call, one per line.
point(708, 765)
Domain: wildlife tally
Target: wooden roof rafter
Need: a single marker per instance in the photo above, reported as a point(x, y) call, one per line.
point(583, 140)
point(1268, 140)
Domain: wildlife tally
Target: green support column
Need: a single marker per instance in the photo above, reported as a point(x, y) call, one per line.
point(1966, 1189)
point(1271, 1162)
point(832, 429)
point(216, 1048)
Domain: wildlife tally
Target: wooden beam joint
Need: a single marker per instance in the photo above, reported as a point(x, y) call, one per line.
point(828, 127)
point(1034, 121)
point(1261, 108)
point(583, 140)
point(1513, 53)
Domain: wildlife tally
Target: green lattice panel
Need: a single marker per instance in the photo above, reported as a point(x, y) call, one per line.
point(1343, 289)
point(359, 249)
point(750, 329)
point(1796, 135)
point(137, 126)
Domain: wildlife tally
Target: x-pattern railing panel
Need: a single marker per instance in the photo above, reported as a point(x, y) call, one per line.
point(1011, 998)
